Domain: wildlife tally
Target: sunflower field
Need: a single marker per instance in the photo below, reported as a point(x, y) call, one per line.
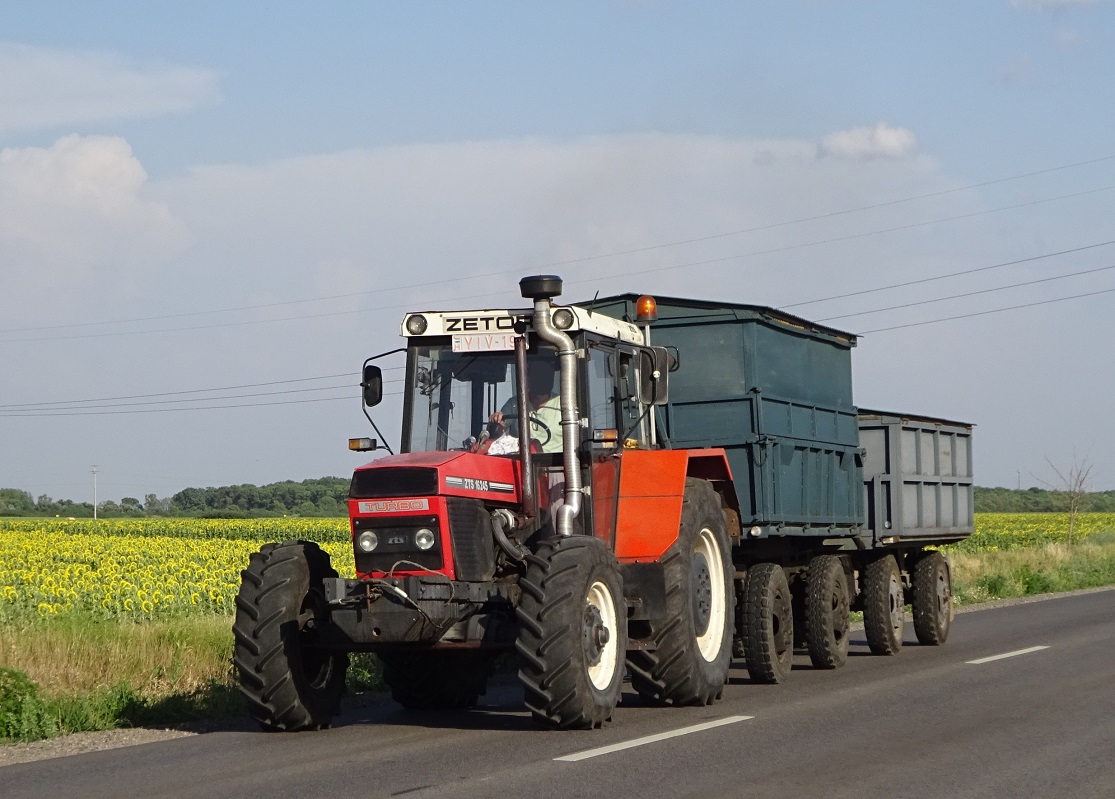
point(158, 568)
point(141, 568)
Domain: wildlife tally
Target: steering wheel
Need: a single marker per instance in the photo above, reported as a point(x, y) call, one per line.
point(534, 422)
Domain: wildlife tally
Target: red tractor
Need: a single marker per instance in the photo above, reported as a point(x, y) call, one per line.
point(550, 499)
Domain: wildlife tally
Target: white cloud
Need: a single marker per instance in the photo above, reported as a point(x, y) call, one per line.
point(75, 207)
point(881, 141)
point(43, 87)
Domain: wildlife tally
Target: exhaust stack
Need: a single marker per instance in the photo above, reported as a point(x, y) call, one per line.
point(542, 289)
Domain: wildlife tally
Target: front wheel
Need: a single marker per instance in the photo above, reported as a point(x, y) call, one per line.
point(690, 663)
point(572, 632)
point(289, 681)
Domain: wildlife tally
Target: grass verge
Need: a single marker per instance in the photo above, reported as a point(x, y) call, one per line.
point(1048, 568)
point(74, 674)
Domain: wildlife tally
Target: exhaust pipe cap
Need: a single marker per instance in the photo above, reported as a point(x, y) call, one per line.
point(540, 287)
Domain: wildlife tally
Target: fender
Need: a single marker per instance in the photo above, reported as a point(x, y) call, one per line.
point(650, 494)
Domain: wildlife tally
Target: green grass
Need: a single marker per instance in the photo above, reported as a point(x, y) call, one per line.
point(78, 674)
point(1049, 568)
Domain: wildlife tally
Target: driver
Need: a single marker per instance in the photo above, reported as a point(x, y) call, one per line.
point(542, 403)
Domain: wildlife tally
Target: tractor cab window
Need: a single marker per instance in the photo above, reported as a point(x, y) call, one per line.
point(454, 396)
point(634, 421)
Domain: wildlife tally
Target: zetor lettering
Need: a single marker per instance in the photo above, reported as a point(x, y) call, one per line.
point(467, 324)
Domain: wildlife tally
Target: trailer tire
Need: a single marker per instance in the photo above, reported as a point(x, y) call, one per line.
point(289, 683)
point(932, 599)
point(768, 624)
point(826, 612)
point(693, 644)
point(572, 632)
point(436, 679)
point(883, 606)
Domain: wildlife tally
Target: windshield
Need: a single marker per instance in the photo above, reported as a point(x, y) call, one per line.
point(455, 394)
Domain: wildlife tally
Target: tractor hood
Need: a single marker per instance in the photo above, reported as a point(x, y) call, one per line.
point(425, 474)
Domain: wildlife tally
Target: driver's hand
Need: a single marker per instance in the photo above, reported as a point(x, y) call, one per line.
point(496, 425)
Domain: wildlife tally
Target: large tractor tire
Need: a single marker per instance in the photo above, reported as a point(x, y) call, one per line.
point(768, 624)
point(883, 606)
point(826, 612)
point(690, 663)
point(932, 599)
point(289, 682)
point(572, 632)
point(436, 679)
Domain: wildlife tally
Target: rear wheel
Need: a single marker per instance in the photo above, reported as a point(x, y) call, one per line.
point(690, 663)
point(289, 681)
point(572, 632)
point(436, 679)
point(826, 612)
point(883, 606)
point(768, 624)
point(933, 608)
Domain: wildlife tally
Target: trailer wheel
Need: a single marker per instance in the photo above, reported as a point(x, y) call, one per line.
point(572, 632)
point(826, 612)
point(932, 603)
point(436, 679)
point(694, 642)
point(768, 624)
point(290, 683)
point(883, 606)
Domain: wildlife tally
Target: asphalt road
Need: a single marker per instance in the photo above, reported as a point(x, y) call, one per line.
point(926, 723)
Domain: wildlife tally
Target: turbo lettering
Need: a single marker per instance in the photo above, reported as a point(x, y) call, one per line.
point(393, 505)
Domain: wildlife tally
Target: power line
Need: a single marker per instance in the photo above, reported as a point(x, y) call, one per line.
point(74, 405)
point(609, 276)
point(986, 313)
point(67, 412)
point(194, 391)
point(949, 275)
point(829, 215)
point(582, 259)
point(967, 294)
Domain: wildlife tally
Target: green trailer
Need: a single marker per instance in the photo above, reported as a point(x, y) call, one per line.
point(821, 485)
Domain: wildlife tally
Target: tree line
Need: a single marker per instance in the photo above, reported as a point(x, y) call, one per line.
point(326, 496)
point(1040, 500)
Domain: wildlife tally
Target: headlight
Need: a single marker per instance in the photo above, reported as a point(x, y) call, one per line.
point(563, 319)
point(416, 324)
point(367, 541)
point(424, 539)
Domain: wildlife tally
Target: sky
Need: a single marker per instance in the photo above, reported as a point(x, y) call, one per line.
point(211, 213)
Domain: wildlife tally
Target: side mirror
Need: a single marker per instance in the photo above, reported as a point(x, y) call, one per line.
point(372, 385)
point(654, 364)
point(675, 358)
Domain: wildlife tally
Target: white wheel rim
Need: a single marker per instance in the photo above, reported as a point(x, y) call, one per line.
point(603, 671)
point(710, 642)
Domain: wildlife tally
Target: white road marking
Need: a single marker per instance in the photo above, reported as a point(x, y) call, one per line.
point(1007, 655)
point(649, 739)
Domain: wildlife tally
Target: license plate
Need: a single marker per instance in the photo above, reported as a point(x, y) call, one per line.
point(484, 342)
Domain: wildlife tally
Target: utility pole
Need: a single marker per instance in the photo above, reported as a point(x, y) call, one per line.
point(94, 492)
